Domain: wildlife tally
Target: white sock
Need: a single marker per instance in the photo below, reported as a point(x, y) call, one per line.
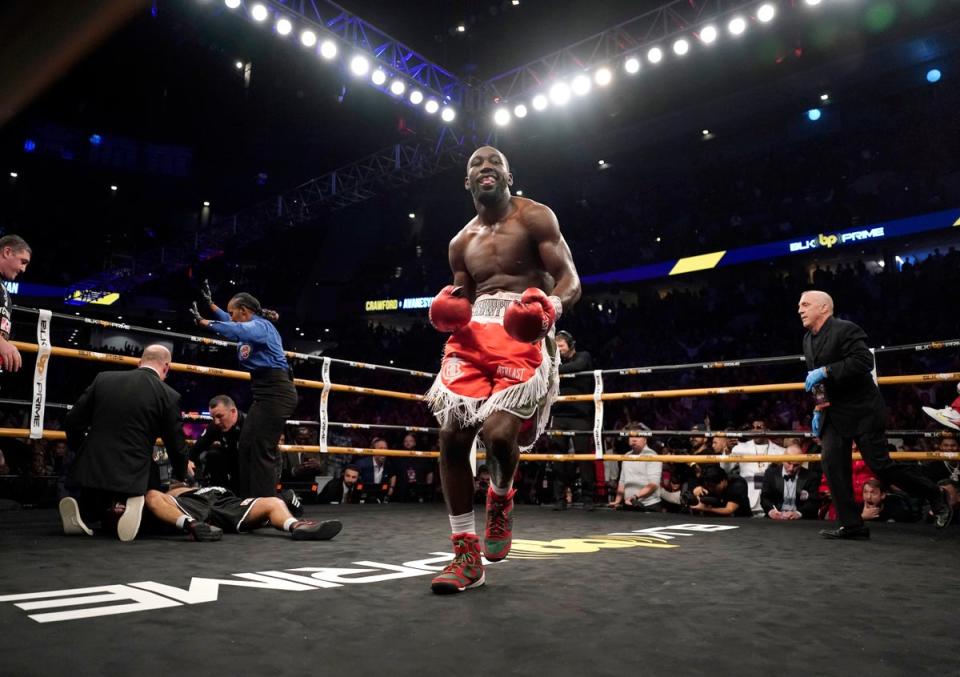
point(182, 522)
point(288, 524)
point(502, 491)
point(463, 524)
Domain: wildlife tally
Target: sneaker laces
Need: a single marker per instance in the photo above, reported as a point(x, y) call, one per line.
point(498, 519)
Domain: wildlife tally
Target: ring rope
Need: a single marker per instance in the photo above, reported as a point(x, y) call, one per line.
point(210, 371)
point(783, 359)
point(766, 388)
point(647, 394)
point(736, 434)
point(221, 343)
point(646, 458)
point(549, 432)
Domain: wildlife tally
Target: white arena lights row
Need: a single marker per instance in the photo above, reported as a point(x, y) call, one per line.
point(561, 92)
point(360, 65)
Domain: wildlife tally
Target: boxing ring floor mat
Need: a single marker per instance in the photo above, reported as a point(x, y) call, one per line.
point(599, 593)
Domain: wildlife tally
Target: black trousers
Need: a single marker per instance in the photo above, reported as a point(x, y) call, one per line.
point(274, 401)
point(565, 474)
point(837, 465)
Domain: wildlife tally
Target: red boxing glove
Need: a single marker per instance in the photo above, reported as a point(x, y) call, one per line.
point(530, 319)
point(449, 310)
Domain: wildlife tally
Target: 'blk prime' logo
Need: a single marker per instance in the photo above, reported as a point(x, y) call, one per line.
point(830, 240)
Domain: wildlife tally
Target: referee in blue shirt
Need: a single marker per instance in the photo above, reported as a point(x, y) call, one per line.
point(274, 396)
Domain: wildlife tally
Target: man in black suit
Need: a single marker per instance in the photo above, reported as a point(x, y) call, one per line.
point(113, 428)
point(574, 416)
point(853, 410)
point(341, 489)
point(790, 491)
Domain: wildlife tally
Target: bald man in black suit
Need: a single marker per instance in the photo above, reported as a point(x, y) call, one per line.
point(837, 356)
point(113, 428)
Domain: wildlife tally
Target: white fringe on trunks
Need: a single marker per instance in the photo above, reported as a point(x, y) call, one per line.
point(538, 392)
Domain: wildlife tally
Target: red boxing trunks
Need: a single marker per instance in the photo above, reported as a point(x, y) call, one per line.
point(484, 370)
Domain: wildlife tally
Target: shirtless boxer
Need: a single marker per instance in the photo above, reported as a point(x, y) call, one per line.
point(512, 277)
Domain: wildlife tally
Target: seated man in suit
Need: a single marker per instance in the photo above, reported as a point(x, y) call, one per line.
point(342, 489)
point(377, 471)
point(113, 428)
point(790, 491)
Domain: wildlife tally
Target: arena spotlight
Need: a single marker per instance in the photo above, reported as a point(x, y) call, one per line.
point(231, 4)
point(308, 38)
point(238, 65)
point(359, 65)
point(560, 93)
point(540, 102)
point(416, 97)
point(14, 175)
point(95, 139)
point(206, 203)
point(397, 87)
point(411, 216)
point(501, 117)
point(708, 35)
point(328, 49)
point(378, 77)
point(603, 76)
point(448, 114)
point(520, 111)
point(259, 12)
point(519, 193)
point(284, 27)
point(766, 12)
point(632, 65)
point(814, 114)
point(705, 132)
point(580, 85)
point(431, 106)
point(812, 3)
point(934, 75)
point(824, 97)
point(113, 189)
point(681, 47)
point(655, 55)
point(737, 26)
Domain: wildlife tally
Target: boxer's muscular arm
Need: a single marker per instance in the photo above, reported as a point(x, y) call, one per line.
point(461, 278)
point(554, 253)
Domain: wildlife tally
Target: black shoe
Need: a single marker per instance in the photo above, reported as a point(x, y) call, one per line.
point(846, 532)
point(308, 530)
point(588, 506)
point(201, 531)
point(290, 497)
point(560, 506)
point(942, 510)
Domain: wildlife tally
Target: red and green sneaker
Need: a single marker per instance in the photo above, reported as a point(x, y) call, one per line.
point(466, 569)
point(499, 534)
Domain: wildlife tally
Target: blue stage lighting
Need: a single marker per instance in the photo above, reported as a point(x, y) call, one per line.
point(934, 75)
point(814, 114)
point(95, 139)
point(29, 146)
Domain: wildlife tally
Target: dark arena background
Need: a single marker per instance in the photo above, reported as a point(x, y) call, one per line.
point(708, 162)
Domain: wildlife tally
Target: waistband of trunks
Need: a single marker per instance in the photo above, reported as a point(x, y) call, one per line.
point(490, 307)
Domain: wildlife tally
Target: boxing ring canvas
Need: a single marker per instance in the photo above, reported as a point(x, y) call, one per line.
point(601, 593)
